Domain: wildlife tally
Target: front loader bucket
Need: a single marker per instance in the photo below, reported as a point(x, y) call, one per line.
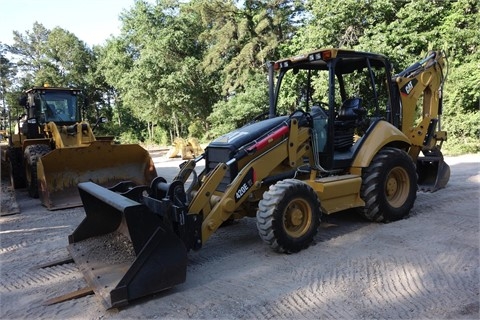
point(433, 172)
point(102, 162)
point(124, 251)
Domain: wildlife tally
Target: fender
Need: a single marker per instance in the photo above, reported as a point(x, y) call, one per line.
point(383, 133)
point(29, 142)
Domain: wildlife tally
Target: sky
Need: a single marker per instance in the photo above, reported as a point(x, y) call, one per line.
point(92, 21)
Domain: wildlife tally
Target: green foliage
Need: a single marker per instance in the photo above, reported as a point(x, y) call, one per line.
point(462, 90)
point(197, 68)
point(160, 136)
point(343, 23)
point(130, 136)
point(241, 108)
point(463, 133)
point(8, 72)
point(154, 64)
point(197, 129)
point(419, 26)
point(55, 57)
point(242, 40)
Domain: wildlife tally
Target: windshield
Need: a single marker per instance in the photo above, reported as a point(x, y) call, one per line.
point(58, 106)
point(301, 89)
point(309, 85)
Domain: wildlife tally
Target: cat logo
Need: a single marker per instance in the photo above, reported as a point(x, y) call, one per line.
point(407, 89)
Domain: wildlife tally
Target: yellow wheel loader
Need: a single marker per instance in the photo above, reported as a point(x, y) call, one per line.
point(352, 140)
point(53, 150)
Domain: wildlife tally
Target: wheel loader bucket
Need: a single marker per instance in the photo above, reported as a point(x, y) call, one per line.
point(124, 251)
point(433, 173)
point(102, 162)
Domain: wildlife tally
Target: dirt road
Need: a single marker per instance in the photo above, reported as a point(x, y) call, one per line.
point(425, 266)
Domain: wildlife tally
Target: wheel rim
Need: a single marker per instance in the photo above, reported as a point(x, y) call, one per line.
point(297, 218)
point(397, 187)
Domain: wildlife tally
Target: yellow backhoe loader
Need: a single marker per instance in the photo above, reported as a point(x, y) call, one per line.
point(352, 140)
point(52, 150)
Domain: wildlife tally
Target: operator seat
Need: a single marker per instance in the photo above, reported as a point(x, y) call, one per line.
point(351, 109)
point(51, 111)
point(349, 115)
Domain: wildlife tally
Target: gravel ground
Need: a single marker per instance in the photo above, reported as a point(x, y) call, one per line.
point(423, 267)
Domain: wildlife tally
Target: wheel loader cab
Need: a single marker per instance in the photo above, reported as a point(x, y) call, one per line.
point(58, 150)
point(54, 105)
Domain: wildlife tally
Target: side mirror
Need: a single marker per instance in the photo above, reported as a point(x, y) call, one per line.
point(99, 121)
point(23, 100)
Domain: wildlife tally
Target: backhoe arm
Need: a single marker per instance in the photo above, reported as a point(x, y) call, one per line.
point(423, 79)
point(422, 84)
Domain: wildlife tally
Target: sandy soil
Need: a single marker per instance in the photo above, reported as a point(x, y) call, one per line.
point(425, 266)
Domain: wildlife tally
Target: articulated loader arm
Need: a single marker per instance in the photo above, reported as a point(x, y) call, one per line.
point(76, 135)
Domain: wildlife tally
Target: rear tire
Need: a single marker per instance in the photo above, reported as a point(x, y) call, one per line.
point(31, 156)
point(389, 186)
point(288, 216)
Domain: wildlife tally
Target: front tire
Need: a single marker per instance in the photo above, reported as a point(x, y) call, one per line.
point(31, 156)
point(288, 216)
point(389, 186)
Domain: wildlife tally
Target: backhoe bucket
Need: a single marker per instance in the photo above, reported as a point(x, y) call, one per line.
point(102, 162)
point(433, 172)
point(124, 251)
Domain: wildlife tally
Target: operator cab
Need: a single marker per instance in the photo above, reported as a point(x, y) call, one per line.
point(48, 104)
point(59, 106)
point(351, 90)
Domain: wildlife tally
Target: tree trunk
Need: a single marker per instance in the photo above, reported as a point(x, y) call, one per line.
point(175, 124)
point(150, 127)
